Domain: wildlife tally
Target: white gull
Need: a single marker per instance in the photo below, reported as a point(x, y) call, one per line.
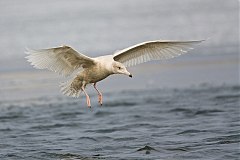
point(65, 60)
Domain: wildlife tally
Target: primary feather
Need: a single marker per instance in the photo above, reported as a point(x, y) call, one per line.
point(152, 50)
point(62, 60)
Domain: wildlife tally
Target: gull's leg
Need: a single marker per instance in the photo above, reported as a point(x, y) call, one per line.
point(87, 97)
point(99, 94)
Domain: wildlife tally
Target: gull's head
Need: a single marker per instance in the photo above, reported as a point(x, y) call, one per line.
point(119, 68)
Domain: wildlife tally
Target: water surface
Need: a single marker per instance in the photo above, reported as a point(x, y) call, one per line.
point(190, 123)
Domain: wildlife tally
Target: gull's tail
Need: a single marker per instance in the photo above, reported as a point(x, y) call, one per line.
point(72, 87)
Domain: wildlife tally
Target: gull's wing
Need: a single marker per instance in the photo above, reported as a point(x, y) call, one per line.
point(62, 60)
point(152, 50)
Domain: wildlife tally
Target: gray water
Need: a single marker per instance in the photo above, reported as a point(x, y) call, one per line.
point(184, 108)
point(190, 123)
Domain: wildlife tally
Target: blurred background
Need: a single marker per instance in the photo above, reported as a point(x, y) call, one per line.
point(101, 27)
point(182, 108)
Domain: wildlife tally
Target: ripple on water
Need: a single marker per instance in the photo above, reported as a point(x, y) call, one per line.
point(88, 138)
point(56, 125)
point(224, 139)
point(103, 113)
point(107, 130)
point(191, 131)
point(123, 139)
point(195, 112)
point(122, 103)
point(178, 127)
point(207, 112)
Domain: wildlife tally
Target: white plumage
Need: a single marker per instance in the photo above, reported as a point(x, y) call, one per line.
point(65, 60)
point(153, 50)
point(62, 60)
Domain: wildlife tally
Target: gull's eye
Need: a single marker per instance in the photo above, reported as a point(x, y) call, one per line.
point(119, 67)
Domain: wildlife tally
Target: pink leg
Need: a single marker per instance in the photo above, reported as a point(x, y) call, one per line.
point(99, 94)
point(87, 97)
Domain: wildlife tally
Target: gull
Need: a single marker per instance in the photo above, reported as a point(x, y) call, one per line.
point(66, 61)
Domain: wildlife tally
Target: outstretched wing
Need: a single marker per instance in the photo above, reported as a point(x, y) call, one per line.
point(62, 60)
point(153, 50)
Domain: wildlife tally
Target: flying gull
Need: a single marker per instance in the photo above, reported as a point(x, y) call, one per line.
point(65, 61)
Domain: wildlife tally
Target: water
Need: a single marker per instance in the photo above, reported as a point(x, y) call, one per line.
point(192, 123)
point(185, 108)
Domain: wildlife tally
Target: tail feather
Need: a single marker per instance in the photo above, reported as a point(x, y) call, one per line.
point(71, 88)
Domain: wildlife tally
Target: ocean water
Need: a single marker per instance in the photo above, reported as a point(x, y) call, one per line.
point(184, 108)
point(189, 123)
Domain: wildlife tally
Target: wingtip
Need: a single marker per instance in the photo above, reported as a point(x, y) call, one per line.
point(27, 50)
point(203, 40)
point(197, 42)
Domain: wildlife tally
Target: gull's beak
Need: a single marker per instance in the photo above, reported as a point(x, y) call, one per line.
point(127, 73)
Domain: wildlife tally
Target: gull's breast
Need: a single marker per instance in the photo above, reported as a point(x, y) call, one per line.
point(96, 73)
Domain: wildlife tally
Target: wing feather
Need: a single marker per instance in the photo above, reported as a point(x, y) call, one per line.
point(62, 60)
point(153, 50)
